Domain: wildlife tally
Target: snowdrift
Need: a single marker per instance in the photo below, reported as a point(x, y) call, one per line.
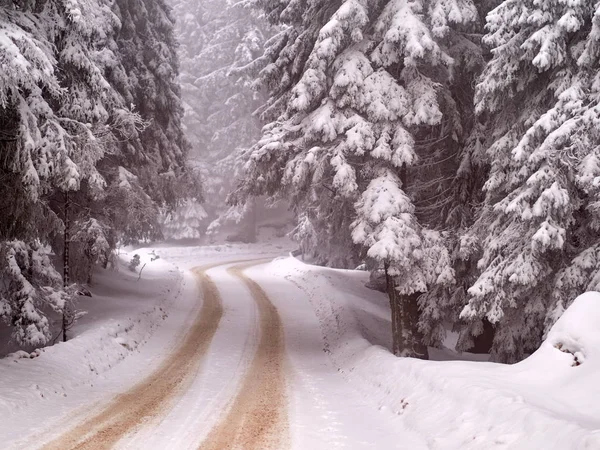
point(123, 315)
point(548, 401)
point(568, 362)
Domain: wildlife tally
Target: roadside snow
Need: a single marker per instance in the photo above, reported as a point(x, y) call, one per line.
point(567, 365)
point(129, 327)
point(122, 315)
point(543, 402)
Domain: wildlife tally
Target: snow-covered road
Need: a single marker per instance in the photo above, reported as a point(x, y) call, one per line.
point(249, 373)
point(232, 347)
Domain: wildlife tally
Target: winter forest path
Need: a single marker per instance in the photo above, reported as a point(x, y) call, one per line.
point(248, 372)
point(255, 418)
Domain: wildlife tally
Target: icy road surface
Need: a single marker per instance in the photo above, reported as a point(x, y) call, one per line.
point(249, 373)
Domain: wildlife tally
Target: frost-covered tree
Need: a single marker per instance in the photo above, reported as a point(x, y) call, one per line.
point(50, 135)
point(148, 80)
point(140, 159)
point(146, 170)
point(386, 224)
point(185, 222)
point(442, 304)
point(219, 38)
point(364, 103)
point(538, 230)
point(68, 116)
point(30, 285)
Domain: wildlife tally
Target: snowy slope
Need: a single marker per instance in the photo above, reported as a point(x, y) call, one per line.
point(543, 402)
point(122, 316)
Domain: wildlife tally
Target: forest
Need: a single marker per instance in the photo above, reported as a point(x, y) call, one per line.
point(450, 147)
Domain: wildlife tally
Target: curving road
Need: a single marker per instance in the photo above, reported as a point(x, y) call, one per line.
point(249, 374)
point(151, 397)
point(256, 417)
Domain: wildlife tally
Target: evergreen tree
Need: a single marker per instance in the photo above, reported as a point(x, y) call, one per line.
point(148, 81)
point(364, 131)
point(185, 222)
point(50, 140)
point(538, 228)
point(76, 113)
point(146, 171)
point(219, 38)
point(442, 304)
point(30, 285)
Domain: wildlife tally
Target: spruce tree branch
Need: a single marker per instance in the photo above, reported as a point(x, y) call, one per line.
point(438, 162)
point(435, 196)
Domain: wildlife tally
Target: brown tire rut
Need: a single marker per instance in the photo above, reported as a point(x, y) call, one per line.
point(149, 399)
point(257, 418)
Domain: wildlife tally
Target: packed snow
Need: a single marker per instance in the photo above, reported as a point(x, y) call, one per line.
point(345, 389)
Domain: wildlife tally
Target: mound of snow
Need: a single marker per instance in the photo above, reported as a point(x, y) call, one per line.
point(568, 362)
point(576, 333)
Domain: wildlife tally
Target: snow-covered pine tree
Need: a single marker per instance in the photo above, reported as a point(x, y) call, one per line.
point(146, 171)
point(30, 287)
point(414, 258)
point(62, 123)
point(466, 171)
point(218, 38)
point(148, 81)
point(95, 242)
point(185, 222)
point(538, 230)
point(361, 105)
point(217, 111)
point(48, 136)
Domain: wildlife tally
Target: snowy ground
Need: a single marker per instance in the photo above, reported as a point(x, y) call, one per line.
point(124, 316)
point(543, 402)
point(343, 388)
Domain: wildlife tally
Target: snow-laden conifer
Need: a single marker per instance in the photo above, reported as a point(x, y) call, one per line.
point(69, 119)
point(361, 103)
point(538, 228)
point(30, 288)
point(219, 39)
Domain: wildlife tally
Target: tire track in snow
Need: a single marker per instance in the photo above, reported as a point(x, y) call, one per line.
point(257, 418)
point(148, 399)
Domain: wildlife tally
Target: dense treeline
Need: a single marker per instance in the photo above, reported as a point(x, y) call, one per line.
point(91, 145)
point(219, 38)
point(452, 144)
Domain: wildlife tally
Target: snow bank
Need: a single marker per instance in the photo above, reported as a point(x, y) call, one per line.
point(577, 335)
point(544, 402)
point(122, 314)
point(567, 364)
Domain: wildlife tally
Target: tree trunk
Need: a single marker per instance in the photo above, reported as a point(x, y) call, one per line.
point(412, 344)
point(251, 222)
point(407, 340)
point(482, 344)
point(66, 268)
